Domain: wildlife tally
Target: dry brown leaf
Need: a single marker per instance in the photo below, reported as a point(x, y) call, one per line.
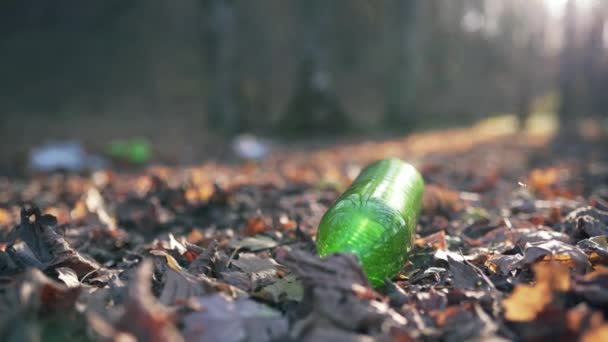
point(593, 287)
point(598, 334)
point(200, 194)
point(541, 179)
point(222, 318)
point(144, 317)
point(438, 198)
point(255, 225)
point(527, 301)
point(586, 221)
point(503, 264)
point(43, 247)
point(437, 240)
point(556, 251)
point(96, 204)
point(6, 218)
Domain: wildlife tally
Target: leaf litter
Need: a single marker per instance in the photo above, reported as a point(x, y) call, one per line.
point(218, 252)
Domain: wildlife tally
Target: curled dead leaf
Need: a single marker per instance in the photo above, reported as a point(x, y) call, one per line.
point(144, 317)
point(556, 251)
point(41, 246)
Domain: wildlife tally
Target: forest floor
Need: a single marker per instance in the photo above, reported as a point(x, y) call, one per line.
point(511, 244)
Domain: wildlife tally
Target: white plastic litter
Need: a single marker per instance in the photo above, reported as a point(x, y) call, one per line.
point(250, 147)
point(65, 155)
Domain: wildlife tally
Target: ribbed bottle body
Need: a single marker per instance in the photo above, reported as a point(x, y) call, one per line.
point(375, 218)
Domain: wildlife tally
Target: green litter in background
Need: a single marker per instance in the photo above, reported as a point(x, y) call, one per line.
point(136, 150)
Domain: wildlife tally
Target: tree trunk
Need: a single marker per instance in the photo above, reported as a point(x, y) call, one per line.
point(402, 65)
point(528, 59)
point(568, 70)
point(314, 105)
point(595, 63)
point(220, 46)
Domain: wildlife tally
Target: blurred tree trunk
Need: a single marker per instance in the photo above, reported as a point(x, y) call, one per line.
point(596, 72)
point(524, 95)
point(255, 66)
point(220, 46)
point(314, 105)
point(529, 57)
point(568, 70)
point(401, 49)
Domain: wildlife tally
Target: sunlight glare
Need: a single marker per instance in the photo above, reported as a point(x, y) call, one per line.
point(557, 7)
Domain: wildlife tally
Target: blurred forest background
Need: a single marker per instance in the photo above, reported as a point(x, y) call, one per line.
point(186, 74)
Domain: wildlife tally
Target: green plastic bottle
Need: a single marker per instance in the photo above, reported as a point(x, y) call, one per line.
point(375, 218)
point(136, 150)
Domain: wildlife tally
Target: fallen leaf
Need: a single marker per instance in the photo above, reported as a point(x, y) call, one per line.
point(96, 205)
point(466, 276)
point(597, 334)
point(586, 222)
point(542, 179)
point(556, 251)
point(254, 243)
point(437, 240)
point(431, 300)
point(68, 276)
point(505, 238)
point(433, 274)
point(539, 234)
point(593, 287)
point(44, 247)
point(205, 261)
point(255, 225)
point(38, 293)
point(250, 263)
point(527, 301)
point(596, 247)
point(337, 270)
point(323, 333)
point(504, 264)
point(468, 322)
point(221, 318)
point(261, 271)
point(178, 285)
point(440, 199)
point(144, 317)
point(337, 291)
point(31, 302)
point(283, 289)
point(6, 218)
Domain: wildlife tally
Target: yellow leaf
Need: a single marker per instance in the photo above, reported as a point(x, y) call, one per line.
point(173, 263)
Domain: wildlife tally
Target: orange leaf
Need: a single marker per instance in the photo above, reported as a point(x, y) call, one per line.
point(598, 334)
point(437, 240)
point(527, 301)
point(6, 218)
point(542, 179)
point(255, 225)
